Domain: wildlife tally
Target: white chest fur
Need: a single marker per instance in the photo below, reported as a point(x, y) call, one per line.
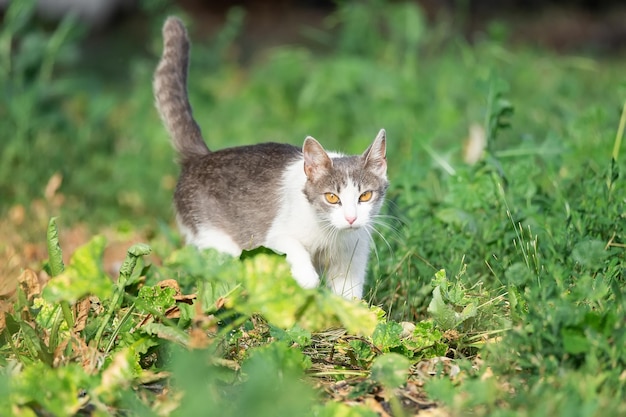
point(317, 244)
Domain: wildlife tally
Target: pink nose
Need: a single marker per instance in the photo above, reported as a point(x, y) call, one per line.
point(351, 219)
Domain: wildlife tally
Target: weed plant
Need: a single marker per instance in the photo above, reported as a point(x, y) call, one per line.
point(503, 276)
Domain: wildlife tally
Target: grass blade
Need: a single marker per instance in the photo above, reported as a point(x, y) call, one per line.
point(55, 254)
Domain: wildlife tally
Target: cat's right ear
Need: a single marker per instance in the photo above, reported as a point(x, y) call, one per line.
point(316, 160)
point(376, 155)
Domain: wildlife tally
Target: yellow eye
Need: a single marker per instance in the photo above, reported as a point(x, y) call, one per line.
point(366, 196)
point(331, 198)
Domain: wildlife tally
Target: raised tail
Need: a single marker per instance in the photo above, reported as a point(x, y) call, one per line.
point(170, 92)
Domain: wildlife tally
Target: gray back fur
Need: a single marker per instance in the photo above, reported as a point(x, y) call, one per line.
point(236, 190)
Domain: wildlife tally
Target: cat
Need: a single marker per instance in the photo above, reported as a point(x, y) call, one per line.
point(316, 207)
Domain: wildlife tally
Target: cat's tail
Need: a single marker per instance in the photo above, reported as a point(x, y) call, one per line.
point(170, 92)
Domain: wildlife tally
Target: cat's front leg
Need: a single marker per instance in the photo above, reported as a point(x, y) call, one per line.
point(299, 259)
point(346, 276)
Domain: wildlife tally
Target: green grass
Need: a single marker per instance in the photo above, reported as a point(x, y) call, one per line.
point(514, 267)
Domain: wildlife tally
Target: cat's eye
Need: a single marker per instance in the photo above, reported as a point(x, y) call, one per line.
point(365, 197)
point(331, 198)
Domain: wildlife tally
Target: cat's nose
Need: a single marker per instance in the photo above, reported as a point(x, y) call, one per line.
point(350, 219)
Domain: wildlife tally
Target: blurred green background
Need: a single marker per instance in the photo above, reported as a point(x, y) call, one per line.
point(76, 97)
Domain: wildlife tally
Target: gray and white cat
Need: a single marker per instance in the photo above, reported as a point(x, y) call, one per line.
point(316, 207)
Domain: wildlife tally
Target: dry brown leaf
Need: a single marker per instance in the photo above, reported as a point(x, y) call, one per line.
point(53, 185)
point(17, 214)
point(198, 339)
point(219, 303)
point(30, 284)
point(58, 357)
point(185, 298)
point(172, 313)
point(376, 406)
point(82, 312)
point(170, 283)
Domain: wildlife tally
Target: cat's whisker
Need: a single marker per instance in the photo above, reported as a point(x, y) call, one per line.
point(383, 220)
point(389, 231)
point(371, 238)
point(382, 237)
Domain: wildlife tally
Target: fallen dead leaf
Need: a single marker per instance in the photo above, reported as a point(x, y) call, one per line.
point(30, 284)
point(82, 312)
point(170, 283)
point(198, 339)
point(53, 185)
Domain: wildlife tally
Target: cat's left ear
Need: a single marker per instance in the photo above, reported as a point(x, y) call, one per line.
point(375, 156)
point(316, 160)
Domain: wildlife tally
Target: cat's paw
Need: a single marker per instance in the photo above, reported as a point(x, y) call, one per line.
point(305, 275)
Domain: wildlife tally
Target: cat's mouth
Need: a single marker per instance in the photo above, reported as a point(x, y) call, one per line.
point(350, 227)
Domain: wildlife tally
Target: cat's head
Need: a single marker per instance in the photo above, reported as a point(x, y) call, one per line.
point(346, 191)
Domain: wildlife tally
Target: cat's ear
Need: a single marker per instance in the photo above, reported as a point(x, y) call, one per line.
point(375, 156)
point(316, 160)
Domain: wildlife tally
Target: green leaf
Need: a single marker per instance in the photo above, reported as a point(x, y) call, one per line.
point(387, 335)
point(356, 317)
point(121, 369)
point(83, 276)
point(574, 341)
point(163, 331)
point(55, 390)
point(279, 358)
point(425, 341)
point(55, 254)
point(444, 315)
point(155, 298)
point(18, 15)
point(134, 252)
point(274, 294)
point(363, 352)
point(390, 370)
point(590, 254)
point(294, 335)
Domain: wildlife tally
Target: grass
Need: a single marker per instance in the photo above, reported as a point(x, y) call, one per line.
point(496, 287)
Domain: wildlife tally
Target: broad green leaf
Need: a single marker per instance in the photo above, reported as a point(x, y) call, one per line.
point(355, 316)
point(163, 331)
point(55, 254)
point(590, 253)
point(574, 341)
point(362, 351)
point(294, 335)
point(425, 341)
point(274, 294)
point(390, 370)
point(55, 390)
point(155, 298)
point(123, 367)
point(83, 276)
point(444, 315)
point(387, 335)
